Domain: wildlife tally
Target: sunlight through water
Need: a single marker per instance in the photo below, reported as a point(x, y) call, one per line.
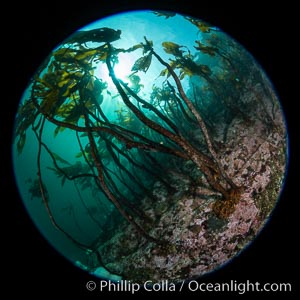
point(150, 146)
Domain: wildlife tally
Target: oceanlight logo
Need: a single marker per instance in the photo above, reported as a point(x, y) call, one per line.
point(239, 287)
point(192, 286)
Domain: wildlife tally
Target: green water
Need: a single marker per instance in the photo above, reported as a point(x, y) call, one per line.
point(87, 139)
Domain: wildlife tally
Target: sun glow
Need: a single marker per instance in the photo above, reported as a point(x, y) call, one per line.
point(122, 70)
point(123, 67)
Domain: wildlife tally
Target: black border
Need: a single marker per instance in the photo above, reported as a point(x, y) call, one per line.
point(31, 266)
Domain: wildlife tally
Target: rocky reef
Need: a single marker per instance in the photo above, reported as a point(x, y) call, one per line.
point(200, 231)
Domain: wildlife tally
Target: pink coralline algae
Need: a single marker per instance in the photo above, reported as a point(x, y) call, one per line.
point(200, 231)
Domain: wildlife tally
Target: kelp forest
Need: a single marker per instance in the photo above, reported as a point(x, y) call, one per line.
point(174, 167)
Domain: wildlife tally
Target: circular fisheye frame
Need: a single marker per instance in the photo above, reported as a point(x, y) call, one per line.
point(150, 146)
